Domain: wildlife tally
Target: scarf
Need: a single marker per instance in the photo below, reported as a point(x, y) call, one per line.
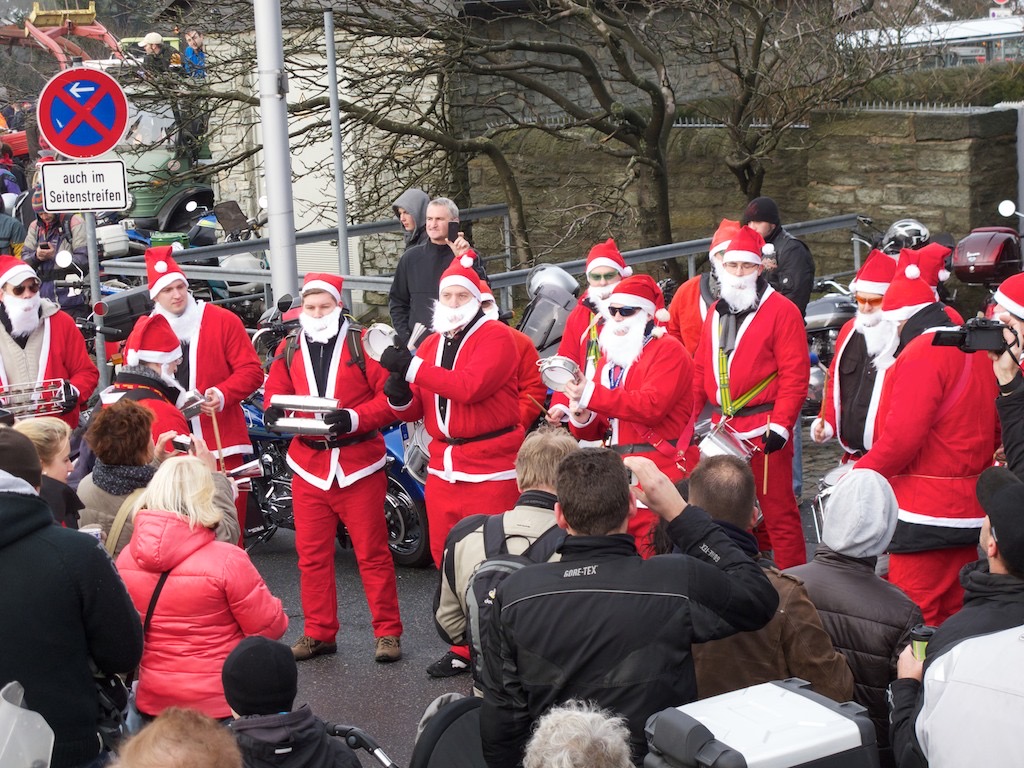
point(121, 479)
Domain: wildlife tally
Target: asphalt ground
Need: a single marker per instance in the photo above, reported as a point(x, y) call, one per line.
point(387, 700)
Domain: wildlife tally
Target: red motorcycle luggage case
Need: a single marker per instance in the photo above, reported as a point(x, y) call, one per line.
point(987, 256)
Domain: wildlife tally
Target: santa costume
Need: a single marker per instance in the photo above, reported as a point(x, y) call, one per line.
point(752, 365)
point(54, 349)
point(936, 433)
point(340, 477)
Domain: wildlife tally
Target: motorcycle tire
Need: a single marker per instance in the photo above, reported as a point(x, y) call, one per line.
point(408, 534)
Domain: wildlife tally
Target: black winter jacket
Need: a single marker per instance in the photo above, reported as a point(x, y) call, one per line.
point(605, 625)
point(794, 275)
point(1010, 409)
point(290, 740)
point(869, 621)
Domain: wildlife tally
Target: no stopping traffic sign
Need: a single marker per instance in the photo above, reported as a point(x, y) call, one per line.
point(82, 113)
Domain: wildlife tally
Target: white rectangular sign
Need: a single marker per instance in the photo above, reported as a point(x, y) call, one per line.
point(100, 185)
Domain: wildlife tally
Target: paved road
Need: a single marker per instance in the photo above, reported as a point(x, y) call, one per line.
point(386, 700)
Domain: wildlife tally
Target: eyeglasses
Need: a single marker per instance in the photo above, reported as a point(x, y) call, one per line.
point(599, 277)
point(872, 302)
point(624, 311)
point(32, 286)
point(739, 267)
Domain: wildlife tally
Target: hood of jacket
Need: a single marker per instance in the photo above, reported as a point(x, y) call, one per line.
point(414, 201)
point(21, 513)
point(860, 517)
point(980, 583)
point(290, 738)
point(161, 539)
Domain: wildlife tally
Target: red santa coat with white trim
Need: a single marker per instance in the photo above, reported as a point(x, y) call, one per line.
point(937, 432)
point(63, 356)
point(832, 397)
point(483, 396)
point(166, 416)
point(361, 395)
point(220, 355)
point(531, 386)
point(687, 313)
point(654, 395)
point(575, 338)
point(771, 338)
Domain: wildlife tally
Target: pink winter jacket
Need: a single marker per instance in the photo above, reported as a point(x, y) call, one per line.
point(213, 597)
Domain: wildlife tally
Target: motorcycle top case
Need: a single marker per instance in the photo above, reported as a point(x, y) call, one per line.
point(988, 255)
point(113, 240)
point(782, 724)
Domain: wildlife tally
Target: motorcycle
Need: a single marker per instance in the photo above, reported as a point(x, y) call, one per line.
point(823, 319)
point(404, 506)
point(553, 294)
point(989, 255)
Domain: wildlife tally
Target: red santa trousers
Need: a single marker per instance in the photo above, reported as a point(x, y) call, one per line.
point(447, 503)
point(781, 531)
point(360, 507)
point(932, 579)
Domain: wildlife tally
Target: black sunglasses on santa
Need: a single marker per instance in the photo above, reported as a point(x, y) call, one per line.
point(624, 311)
point(32, 286)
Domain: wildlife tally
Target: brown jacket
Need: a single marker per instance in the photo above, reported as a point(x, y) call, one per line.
point(792, 644)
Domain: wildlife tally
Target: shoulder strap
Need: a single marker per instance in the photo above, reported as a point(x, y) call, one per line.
point(494, 536)
point(545, 545)
point(354, 342)
point(290, 348)
point(152, 601)
point(120, 519)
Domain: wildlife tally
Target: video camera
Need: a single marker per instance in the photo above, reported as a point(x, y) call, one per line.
point(979, 334)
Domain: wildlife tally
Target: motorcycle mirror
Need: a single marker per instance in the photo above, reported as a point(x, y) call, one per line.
point(262, 201)
point(1007, 208)
point(191, 205)
point(285, 303)
point(63, 259)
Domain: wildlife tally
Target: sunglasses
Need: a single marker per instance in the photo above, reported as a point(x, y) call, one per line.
point(876, 302)
point(624, 311)
point(32, 286)
point(597, 277)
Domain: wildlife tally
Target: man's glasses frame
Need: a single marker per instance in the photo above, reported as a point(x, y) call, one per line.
point(624, 311)
point(32, 286)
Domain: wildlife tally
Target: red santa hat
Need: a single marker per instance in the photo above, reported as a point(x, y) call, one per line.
point(161, 269)
point(1010, 295)
point(907, 294)
point(322, 281)
point(640, 291)
point(726, 231)
point(152, 341)
point(485, 291)
point(875, 274)
point(461, 273)
point(931, 260)
point(607, 254)
point(747, 246)
point(15, 271)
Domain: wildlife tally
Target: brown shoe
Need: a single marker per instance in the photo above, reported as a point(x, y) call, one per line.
point(307, 647)
point(387, 649)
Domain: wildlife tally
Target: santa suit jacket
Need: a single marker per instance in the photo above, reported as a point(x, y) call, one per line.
point(770, 339)
point(575, 338)
point(531, 388)
point(651, 403)
point(151, 396)
point(362, 395)
point(483, 397)
point(63, 356)
point(936, 433)
point(221, 356)
point(687, 313)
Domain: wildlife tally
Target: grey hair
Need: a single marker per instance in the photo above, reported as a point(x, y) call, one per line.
point(579, 734)
point(447, 202)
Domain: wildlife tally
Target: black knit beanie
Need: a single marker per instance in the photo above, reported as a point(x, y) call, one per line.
point(761, 209)
point(18, 457)
point(260, 677)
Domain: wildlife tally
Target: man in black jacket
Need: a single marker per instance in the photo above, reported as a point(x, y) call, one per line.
point(792, 274)
point(603, 624)
point(63, 605)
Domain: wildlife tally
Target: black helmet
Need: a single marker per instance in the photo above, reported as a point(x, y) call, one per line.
point(905, 233)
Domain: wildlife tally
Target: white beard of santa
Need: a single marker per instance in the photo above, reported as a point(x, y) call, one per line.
point(185, 325)
point(739, 291)
point(881, 336)
point(23, 313)
point(452, 319)
point(321, 329)
point(169, 379)
point(623, 341)
point(601, 292)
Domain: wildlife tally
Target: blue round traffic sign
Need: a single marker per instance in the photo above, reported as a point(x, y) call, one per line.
point(82, 113)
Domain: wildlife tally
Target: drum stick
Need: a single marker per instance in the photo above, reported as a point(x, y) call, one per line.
point(543, 410)
point(764, 477)
point(220, 446)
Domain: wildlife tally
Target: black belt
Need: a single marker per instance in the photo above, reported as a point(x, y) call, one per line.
point(749, 409)
point(630, 448)
point(484, 436)
point(330, 443)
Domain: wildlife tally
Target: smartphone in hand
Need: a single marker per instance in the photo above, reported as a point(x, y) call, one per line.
point(453, 230)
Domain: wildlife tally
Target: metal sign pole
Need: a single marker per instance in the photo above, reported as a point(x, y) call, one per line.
point(94, 290)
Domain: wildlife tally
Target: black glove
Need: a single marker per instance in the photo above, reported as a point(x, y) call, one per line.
point(271, 415)
point(339, 420)
point(396, 359)
point(397, 389)
point(70, 396)
point(772, 441)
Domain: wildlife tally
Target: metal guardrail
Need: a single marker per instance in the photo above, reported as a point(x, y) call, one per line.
point(134, 266)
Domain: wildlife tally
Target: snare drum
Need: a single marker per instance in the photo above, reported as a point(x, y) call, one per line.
point(378, 337)
point(825, 486)
point(557, 371)
point(722, 440)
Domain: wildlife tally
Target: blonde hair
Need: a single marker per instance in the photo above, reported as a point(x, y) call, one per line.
point(47, 435)
point(539, 456)
point(182, 485)
point(181, 738)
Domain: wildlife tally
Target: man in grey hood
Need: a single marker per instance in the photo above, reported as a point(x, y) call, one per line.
point(411, 210)
point(868, 618)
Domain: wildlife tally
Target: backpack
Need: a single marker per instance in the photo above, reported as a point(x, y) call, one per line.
point(483, 583)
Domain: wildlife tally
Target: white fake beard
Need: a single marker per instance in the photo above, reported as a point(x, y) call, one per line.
point(739, 291)
point(450, 319)
point(492, 313)
point(321, 329)
point(881, 336)
point(185, 325)
point(169, 379)
point(23, 314)
point(622, 342)
point(601, 292)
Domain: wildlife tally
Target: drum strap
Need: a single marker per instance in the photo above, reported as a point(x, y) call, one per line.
point(731, 406)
